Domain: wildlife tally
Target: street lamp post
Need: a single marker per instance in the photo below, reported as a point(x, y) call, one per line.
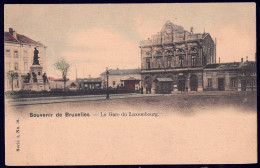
point(107, 73)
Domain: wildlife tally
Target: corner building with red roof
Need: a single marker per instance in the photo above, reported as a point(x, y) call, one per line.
point(19, 52)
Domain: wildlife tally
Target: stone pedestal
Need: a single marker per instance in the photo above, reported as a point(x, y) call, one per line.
point(36, 82)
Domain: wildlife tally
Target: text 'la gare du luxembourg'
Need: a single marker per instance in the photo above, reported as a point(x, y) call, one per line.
point(102, 114)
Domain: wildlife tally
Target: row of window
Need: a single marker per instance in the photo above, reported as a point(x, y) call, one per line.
point(16, 67)
point(169, 62)
point(233, 82)
point(15, 53)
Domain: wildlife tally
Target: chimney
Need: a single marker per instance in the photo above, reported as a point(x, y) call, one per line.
point(246, 58)
point(191, 30)
point(242, 60)
point(13, 33)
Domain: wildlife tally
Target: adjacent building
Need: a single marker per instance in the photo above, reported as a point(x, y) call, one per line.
point(18, 54)
point(119, 77)
point(176, 55)
point(58, 83)
point(237, 76)
point(89, 83)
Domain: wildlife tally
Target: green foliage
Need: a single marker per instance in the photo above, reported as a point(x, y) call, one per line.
point(63, 66)
point(11, 75)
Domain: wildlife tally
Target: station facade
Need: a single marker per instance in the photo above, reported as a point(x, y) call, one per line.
point(176, 54)
point(177, 60)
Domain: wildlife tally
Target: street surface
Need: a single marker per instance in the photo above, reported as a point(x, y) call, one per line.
point(177, 101)
point(49, 100)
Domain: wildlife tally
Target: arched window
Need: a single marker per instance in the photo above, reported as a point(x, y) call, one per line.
point(180, 51)
point(193, 50)
point(168, 53)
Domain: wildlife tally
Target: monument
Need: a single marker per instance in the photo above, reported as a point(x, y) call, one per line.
point(36, 80)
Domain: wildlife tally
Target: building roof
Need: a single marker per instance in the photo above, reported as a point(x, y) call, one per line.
point(20, 39)
point(233, 65)
point(89, 80)
point(175, 27)
point(131, 79)
point(163, 80)
point(57, 79)
point(122, 72)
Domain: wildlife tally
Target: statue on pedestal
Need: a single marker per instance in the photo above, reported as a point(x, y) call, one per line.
point(34, 77)
point(28, 77)
point(36, 57)
point(44, 77)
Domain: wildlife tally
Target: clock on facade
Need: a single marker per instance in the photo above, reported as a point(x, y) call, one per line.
point(169, 29)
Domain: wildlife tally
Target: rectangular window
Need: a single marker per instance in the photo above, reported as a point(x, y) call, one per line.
point(25, 66)
point(181, 61)
point(114, 83)
point(8, 53)
point(254, 74)
point(15, 66)
point(159, 63)
point(209, 83)
point(8, 65)
point(15, 54)
point(169, 62)
point(193, 60)
point(148, 64)
point(25, 54)
point(243, 74)
point(254, 82)
point(233, 83)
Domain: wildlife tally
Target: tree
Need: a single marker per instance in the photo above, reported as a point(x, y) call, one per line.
point(63, 66)
point(11, 75)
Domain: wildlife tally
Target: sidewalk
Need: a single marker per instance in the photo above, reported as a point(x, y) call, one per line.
point(61, 99)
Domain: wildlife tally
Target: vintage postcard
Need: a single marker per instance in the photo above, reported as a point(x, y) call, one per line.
point(130, 84)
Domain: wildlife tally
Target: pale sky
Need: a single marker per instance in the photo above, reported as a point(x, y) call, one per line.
point(92, 37)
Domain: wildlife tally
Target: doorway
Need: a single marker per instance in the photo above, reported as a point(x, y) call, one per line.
point(193, 83)
point(243, 85)
point(181, 83)
point(221, 86)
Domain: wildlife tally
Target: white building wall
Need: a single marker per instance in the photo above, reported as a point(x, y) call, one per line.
point(24, 61)
point(114, 80)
